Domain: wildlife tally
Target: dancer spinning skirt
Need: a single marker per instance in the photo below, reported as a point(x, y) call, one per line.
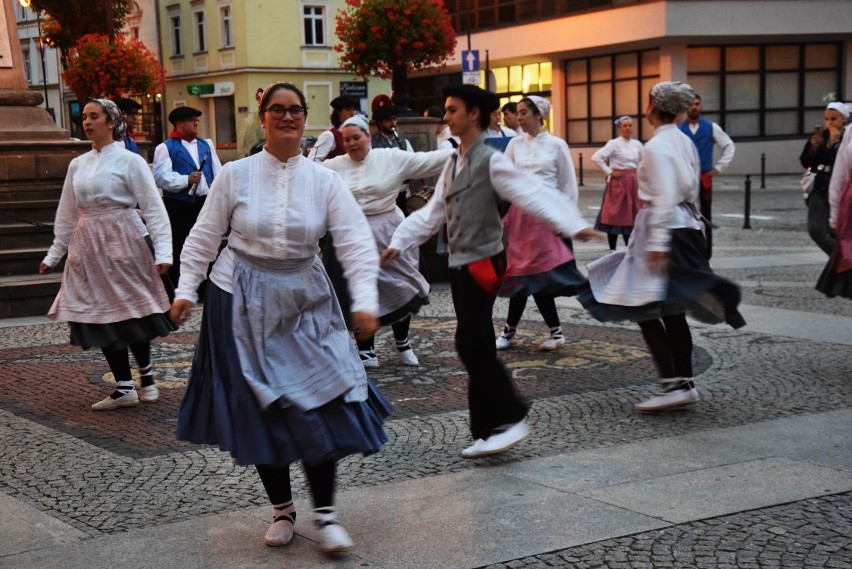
point(664, 271)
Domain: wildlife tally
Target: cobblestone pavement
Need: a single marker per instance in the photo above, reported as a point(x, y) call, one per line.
point(104, 473)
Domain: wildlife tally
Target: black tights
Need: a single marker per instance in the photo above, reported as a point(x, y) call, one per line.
point(119, 361)
point(276, 481)
point(613, 239)
point(670, 343)
point(546, 305)
point(400, 333)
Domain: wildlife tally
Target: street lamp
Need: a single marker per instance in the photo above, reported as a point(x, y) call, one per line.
point(26, 4)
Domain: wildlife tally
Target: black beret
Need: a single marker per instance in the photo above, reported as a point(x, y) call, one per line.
point(345, 102)
point(127, 105)
point(182, 114)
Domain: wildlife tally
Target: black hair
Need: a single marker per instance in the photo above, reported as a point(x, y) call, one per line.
point(511, 107)
point(472, 96)
point(267, 93)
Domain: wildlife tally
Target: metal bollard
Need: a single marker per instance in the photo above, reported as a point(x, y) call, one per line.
point(747, 216)
point(762, 171)
point(581, 169)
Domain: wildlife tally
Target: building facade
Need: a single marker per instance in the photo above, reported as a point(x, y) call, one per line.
point(763, 67)
point(41, 62)
point(218, 53)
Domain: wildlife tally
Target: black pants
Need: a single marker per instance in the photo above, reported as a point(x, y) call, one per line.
point(546, 306)
point(670, 343)
point(491, 396)
point(818, 211)
point(182, 216)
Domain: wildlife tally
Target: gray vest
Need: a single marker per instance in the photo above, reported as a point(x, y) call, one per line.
point(474, 227)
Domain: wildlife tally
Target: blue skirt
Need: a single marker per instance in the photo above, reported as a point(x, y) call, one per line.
point(693, 287)
point(219, 407)
point(564, 280)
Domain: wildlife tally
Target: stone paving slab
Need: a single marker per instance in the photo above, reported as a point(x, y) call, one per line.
point(821, 439)
point(723, 490)
point(476, 517)
point(24, 528)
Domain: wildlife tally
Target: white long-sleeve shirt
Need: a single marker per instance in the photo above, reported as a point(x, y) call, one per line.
point(113, 176)
point(324, 144)
point(375, 180)
point(280, 210)
point(548, 157)
point(841, 175)
point(618, 154)
point(668, 175)
point(170, 181)
point(511, 184)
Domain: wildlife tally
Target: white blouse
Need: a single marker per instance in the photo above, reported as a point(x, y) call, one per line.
point(113, 176)
point(618, 154)
point(375, 180)
point(669, 175)
point(548, 157)
point(280, 210)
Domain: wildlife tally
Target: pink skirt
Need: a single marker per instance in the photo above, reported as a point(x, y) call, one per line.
point(621, 200)
point(110, 275)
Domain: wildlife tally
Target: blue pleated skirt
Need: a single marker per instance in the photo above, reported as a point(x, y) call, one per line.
point(219, 407)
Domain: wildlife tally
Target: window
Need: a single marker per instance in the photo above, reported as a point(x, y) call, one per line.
point(198, 25)
point(765, 91)
point(28, 69)
point(314, 21)
point(226, 122)
point(226, 37)
point(176, 37)
point(600, 89)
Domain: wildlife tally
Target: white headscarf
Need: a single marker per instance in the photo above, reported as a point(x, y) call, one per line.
point(621, 119)
point(115, 115)
point(357, 120)
point(673, 97)
point(841, 108)
point(541, 104)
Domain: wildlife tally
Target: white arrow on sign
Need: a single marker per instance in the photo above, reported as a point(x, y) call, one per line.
point(471, 61)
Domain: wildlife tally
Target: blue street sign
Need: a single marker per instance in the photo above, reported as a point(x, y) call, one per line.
point(470, 60)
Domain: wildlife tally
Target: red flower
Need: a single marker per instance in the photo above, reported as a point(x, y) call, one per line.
point(377, 36)
point(97, 68)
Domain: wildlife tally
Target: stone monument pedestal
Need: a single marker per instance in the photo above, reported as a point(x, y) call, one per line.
point(34, 157)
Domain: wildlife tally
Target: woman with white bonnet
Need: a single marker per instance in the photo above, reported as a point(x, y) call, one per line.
point(619, 159)
point(818, 156)
point(112, 295)
point(663, 273)
point(540, 263)
point(374, 175)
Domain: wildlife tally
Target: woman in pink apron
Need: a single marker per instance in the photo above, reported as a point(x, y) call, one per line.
point(539, 262)
point(619, 160)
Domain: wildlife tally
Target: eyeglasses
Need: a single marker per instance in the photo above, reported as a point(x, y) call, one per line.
point(277, 111)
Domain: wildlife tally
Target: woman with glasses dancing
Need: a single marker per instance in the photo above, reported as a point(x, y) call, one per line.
point(664, 271)
point(374, 176)
point(275, 378)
